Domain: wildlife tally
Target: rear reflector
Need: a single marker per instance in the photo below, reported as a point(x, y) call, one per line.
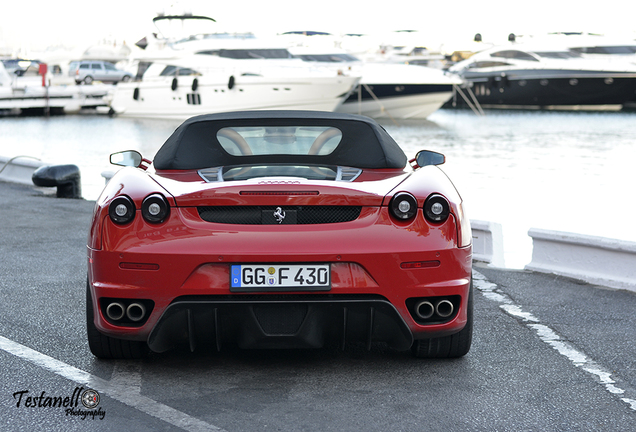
point(138, 266)
point(279, 193)
point(420, 264)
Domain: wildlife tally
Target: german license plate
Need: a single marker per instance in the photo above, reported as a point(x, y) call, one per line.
point(280, 277)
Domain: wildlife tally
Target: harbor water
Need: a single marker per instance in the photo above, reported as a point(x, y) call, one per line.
point(563, 171)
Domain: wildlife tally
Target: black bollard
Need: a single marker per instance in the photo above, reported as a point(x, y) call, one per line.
point(65, 177)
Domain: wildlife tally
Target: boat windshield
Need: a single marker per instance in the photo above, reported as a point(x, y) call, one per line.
point(279, 140)
point(171, 70)
point(248, 54)
point(514, 54)
point(558, 54)
point(618, 49)
point(328, 58)
point(487, 64)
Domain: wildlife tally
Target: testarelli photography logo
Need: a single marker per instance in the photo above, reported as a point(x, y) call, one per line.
point(73, 405)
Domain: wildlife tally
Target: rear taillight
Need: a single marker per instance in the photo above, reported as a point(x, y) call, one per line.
point(403, 206)
point(436, 209)
point(155, 208)
point(121, 210)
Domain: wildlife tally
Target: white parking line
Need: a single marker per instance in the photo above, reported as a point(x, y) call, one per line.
point(550, 337)
point(116, 390)
point(127, 374)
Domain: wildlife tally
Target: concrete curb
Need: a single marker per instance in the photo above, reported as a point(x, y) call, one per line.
point(597, 260)
point(488, 243)
point(19, 169)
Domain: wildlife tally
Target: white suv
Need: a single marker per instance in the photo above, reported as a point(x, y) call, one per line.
point(88, 71)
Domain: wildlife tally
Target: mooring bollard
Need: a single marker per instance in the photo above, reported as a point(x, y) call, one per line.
point(65, 177)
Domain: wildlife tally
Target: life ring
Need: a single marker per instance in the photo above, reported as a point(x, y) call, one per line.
point(230, 83)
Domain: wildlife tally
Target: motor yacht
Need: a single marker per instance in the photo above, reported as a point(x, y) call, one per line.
point(386, 90)
point(176, 78)
point(539, 76)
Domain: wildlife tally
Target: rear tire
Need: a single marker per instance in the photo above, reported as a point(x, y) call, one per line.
point(107, 347)
point(455, 345)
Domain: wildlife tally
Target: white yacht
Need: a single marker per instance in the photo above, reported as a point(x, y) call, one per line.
point(386, 90)
point(199, 84)
point(207, 73)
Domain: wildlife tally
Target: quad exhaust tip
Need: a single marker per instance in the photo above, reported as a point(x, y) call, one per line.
point(444, 308)
point(136, 312)
point(425, 309)
point(115, 311)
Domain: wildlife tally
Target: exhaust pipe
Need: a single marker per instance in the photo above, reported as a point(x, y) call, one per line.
point(444, 308)
point(136, 312)
point(424, 309)
point(115, 311)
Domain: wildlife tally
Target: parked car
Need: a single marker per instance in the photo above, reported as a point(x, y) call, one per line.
point(279, 229)
point(89, 71)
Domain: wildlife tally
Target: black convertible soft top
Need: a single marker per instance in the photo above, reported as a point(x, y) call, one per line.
point(194, 144)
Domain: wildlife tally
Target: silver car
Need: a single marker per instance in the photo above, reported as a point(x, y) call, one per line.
point(88, 71)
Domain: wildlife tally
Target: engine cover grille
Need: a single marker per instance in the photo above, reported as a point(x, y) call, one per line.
point(283, 215)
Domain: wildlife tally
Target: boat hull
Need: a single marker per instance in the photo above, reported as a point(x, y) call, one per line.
point(63, 99)
point(576, 90)
point(397, 101)
point(192, 96)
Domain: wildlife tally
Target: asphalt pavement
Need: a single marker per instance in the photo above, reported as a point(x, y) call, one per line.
point(549, 354)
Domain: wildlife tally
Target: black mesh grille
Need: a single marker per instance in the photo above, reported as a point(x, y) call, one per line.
point(257, 215)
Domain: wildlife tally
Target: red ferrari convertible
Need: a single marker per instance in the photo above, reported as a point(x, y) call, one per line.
point(279, 229)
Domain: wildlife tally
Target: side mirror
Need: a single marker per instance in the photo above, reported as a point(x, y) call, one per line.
point(427, 157)
point(129, 158)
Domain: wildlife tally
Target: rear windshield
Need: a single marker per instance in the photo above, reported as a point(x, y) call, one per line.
point(279, 140)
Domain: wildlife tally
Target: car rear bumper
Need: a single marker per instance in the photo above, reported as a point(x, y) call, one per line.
point(358, 307)
point(284, 322)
